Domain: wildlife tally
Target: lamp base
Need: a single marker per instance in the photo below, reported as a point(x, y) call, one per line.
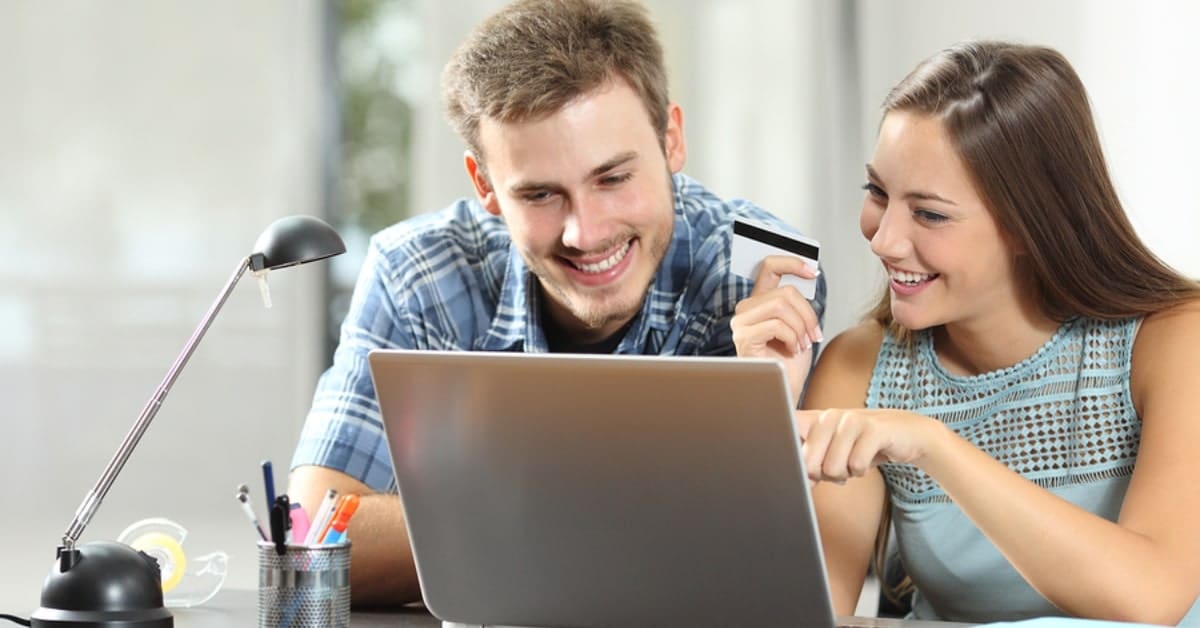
point(103, 584)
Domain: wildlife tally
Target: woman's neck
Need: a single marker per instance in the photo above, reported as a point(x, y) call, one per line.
point(1000, 341)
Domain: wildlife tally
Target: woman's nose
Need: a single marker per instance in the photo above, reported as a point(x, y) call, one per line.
point(891, 239)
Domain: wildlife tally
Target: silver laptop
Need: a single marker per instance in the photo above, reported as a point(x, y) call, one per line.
point(555, 490)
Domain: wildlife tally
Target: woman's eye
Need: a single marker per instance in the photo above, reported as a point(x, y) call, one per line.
point(928, 216)
point(874, 190)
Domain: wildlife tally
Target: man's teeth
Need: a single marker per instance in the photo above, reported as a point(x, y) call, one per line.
point(606, 263)
point(911, 279)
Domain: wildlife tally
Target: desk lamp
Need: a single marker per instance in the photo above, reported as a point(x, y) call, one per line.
point(108, 584)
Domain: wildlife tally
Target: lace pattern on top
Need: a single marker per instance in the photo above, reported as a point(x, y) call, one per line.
point(1062, 416)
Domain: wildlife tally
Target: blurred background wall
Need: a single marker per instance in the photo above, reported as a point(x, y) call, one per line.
point(144, 145)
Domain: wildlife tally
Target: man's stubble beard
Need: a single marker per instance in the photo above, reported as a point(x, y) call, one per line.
point(595, 315)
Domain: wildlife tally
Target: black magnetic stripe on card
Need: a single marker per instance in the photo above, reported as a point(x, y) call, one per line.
point(774, 239)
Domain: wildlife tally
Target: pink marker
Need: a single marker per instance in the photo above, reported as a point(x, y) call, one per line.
point(299, 522)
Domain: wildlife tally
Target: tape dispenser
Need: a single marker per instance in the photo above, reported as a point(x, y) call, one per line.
point(186, 581)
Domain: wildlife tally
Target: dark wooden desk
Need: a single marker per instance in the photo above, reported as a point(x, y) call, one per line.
point(239, 607)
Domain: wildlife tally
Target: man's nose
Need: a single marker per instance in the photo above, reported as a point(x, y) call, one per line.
point(587, 226)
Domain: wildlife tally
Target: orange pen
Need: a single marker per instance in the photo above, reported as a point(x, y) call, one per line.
point(336, 531)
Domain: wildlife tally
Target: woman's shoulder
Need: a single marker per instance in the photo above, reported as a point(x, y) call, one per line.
point(856, 344)
point(844, 369)
point(1166, 347)
point(1167, 329)
point(1185, 313)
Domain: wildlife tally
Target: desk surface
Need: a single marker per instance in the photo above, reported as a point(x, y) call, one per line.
point(236, 605)
point(239, 607)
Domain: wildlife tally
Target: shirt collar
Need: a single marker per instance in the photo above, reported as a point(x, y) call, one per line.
point(516, 324)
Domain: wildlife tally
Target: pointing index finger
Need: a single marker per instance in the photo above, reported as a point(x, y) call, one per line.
point(804, 422)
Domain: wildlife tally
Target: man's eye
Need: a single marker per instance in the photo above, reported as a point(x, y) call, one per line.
point(616, 179)
point(536, 197)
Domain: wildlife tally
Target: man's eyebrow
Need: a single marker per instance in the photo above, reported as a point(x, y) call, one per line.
point(618, 160)
point(524, 187)
point(916, 195)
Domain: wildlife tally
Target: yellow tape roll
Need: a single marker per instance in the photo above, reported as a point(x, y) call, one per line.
point(171, 559)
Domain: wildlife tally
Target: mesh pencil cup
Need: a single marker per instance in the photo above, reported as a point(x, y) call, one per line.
point(306, 587)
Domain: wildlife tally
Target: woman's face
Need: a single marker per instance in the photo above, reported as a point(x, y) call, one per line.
point(946, 259)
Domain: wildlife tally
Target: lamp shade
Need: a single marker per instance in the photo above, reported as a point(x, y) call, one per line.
point(295, 240)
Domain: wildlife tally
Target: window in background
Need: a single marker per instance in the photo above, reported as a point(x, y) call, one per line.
point(376, 50)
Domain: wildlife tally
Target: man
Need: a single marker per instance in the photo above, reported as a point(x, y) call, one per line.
point(584, 238)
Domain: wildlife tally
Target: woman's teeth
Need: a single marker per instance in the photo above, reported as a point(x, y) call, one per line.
point(910, 279)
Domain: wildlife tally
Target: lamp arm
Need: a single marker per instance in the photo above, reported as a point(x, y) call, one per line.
point(91, 502)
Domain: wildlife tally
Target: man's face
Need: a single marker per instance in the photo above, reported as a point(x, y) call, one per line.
point(586, 195)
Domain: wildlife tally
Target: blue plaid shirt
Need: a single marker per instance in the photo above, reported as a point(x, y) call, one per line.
point(452, 281)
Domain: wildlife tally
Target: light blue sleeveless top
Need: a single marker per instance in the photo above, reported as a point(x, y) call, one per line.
point(1062, 418)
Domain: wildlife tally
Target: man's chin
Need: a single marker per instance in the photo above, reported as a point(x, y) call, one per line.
point(598, 309)
point(597, 320)
point(597, 316)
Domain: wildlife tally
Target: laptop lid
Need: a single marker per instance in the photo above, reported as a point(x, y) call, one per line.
point(571, 490)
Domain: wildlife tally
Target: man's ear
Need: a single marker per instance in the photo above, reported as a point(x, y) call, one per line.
point(673, 143)
point(483, 187)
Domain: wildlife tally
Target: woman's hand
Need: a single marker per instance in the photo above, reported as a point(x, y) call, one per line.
point(843, 443)
point(778, 322)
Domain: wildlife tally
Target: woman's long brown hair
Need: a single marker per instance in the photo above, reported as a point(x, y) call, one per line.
point(1020, 120)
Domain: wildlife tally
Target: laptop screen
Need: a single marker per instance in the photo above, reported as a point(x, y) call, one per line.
point(555, 490)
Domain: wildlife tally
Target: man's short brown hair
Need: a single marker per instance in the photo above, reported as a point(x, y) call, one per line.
point(534, 56)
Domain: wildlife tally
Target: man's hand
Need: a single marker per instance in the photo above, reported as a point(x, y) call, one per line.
point(778, 322)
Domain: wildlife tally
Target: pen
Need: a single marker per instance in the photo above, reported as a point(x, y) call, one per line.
point(279, 528)
point(243, 497)
point(328, 521)
point(341, 519)
point(321, 517)
point(269, 482)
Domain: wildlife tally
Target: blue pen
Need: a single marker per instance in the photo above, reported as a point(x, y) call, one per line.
point(269, 482)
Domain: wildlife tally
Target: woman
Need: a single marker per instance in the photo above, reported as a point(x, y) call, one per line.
point(1022, 401)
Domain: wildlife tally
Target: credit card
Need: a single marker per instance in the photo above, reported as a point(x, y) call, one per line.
point(753, 241)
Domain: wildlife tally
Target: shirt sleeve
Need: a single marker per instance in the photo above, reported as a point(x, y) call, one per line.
point(343, 429)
